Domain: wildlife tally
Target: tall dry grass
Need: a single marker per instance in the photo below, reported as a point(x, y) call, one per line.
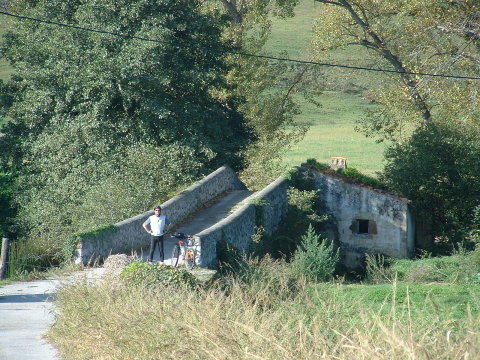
point(111, 320)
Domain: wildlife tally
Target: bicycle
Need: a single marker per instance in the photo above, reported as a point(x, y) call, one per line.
point(185, 248)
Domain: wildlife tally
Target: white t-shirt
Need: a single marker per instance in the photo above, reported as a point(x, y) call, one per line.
point(157, 224)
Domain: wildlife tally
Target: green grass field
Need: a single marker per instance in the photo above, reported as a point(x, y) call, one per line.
point(332, 131)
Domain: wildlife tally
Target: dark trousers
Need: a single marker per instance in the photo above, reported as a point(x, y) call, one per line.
point(153, 244)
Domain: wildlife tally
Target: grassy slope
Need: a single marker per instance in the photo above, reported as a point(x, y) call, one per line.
point(332, 132)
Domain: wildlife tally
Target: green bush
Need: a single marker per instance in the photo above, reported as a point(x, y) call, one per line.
point(317, 165)
point(267, 282)
point(315, 259)
point(7, 210)
point(158, 276)
point(304, 208)
point(378, 270)
point(229, 258)
point(353, 173)
point(475, 230)
point(302, 180)
point(26, 258)
point(438, 169)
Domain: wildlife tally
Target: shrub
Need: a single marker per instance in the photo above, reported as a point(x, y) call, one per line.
point(353, 173)
point(267, 282)
point(304, 208)
point(25, 258)
point(229, 258)
point(438, 169)
point(316, 259)
point(377, 269)
point(317, 165)
point(302, 180)
point(157, 276)
point(7, 210)
point(475, 230)
point(472, 262)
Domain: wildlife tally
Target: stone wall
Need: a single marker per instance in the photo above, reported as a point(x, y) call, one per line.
point(127, 236)
point(237, 229)
point(265, 208)
point(367, 220)
point(272, 204)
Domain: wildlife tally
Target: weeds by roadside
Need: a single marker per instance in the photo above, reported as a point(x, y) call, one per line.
point(261, 315)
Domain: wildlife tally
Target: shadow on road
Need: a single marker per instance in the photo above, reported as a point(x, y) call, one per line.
point(30, 298)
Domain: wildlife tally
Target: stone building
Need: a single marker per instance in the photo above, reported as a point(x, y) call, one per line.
point(365, 220)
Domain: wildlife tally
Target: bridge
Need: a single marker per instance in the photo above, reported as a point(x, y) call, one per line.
point(217, 208)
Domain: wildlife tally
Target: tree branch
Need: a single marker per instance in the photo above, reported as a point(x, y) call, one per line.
point(296, 80)
point(231, 8)
point(330, 2)
point(469, 33)
point(380, 46)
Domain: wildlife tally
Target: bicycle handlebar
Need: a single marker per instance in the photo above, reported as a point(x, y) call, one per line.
point(179, 235)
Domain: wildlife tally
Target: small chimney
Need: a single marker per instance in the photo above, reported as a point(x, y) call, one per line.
point(338, 162)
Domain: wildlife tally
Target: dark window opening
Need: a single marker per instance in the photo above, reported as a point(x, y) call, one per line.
point(363, 226)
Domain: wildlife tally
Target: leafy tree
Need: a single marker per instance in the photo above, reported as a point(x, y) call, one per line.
point(438, 167)
point(432, 121)
point(7, 211)
point(410, 36)
point(85, 107)
point(105, 83)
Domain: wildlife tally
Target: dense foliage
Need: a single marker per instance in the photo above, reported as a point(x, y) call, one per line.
point(158, 276)
point(7, 212)
point(316, 258)
point(101, 125)
point(438, 167)
point(304, 209)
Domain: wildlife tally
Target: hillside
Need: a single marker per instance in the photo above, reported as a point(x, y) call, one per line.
point(332, 131)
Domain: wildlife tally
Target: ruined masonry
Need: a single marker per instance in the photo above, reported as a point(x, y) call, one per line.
point(365, 220)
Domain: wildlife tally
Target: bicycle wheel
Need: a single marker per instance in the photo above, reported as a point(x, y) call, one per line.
point(175, 255)
point(190, 259)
